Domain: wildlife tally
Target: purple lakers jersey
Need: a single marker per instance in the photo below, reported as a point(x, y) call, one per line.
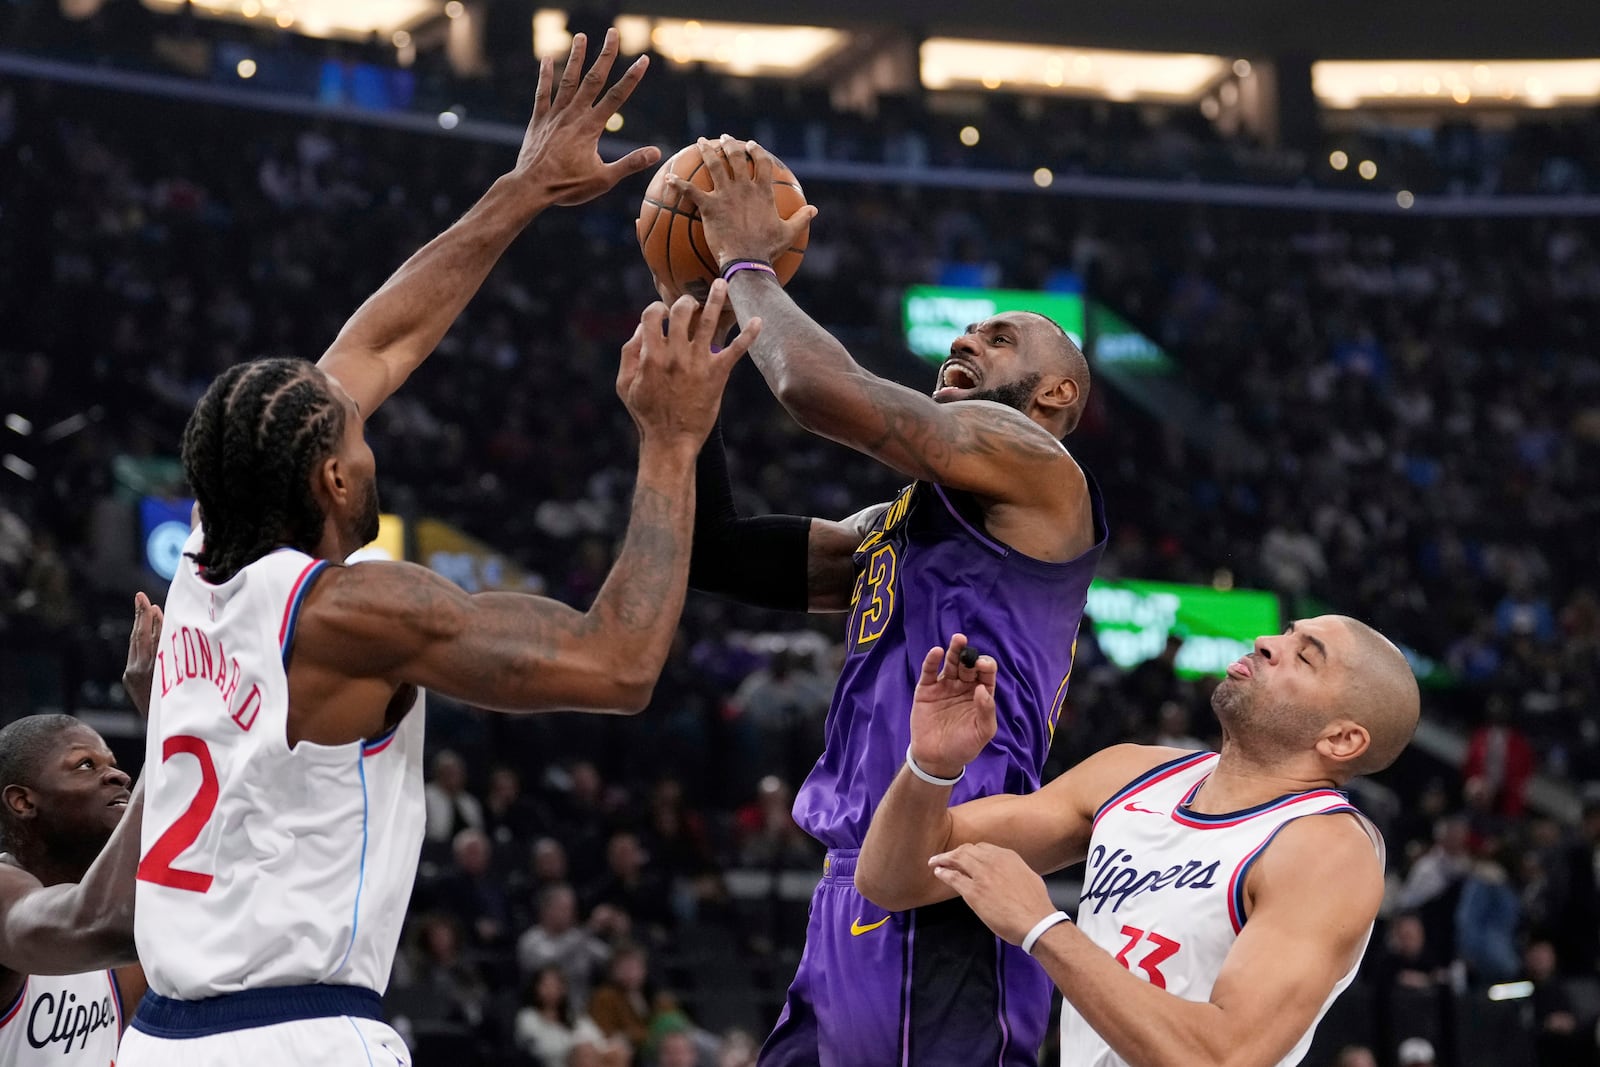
point(927, 570)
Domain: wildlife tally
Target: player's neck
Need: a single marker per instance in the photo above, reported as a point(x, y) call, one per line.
point(1239, 782)
point(49, 868)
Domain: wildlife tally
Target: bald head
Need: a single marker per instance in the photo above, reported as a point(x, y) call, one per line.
point(1065, 360)
point(1381, 695)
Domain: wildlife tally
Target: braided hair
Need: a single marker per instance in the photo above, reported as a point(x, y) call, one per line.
point(248, 452)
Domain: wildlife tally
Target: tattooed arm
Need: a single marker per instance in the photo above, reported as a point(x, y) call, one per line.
point(395, 330)
point(369, 630)
point(982, 447)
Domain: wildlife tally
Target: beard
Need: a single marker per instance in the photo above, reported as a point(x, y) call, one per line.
point(1017, 394)
point(367, 517)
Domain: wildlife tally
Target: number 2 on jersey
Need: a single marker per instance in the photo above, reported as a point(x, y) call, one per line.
point(157, 864)
point(1165, 949)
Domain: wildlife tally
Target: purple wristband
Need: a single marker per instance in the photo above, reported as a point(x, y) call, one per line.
point(746, 264)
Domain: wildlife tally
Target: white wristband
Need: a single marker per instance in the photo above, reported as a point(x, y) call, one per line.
point(929, 778)
point(1055, 918)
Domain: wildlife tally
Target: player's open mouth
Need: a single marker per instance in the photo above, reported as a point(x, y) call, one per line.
point(120, 802)
point(956, 377)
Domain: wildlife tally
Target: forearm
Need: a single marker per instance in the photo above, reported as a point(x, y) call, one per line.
point(911, 823)
point(87, 926)
point(637, 610)
point(400, 325)
point(761, 560)
point(1144, 1025)
point(804, 366)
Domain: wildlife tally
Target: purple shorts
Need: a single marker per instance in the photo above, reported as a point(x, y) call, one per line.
point(897, 989)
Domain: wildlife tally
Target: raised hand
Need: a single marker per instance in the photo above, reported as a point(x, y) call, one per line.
point(561, 151)
point(740, 212)
point(143, 641)
point(952, 711)
point(670, 379)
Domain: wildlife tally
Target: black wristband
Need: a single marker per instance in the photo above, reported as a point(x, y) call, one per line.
point(761, 560)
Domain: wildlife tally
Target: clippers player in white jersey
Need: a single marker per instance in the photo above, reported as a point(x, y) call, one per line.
point(1228, 896)
point(284, 808)
point(62, 800)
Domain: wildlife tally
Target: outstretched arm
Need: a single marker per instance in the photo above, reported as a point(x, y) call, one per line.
point(559, 164)
point(86, 926)
point(788, 562)
point(389, 624)
point(985, 448)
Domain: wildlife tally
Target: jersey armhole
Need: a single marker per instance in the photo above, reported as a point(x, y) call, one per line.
point(1237, 912)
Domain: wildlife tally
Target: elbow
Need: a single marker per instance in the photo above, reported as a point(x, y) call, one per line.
point(802, 398)
point(881, 892)
point(633, 697)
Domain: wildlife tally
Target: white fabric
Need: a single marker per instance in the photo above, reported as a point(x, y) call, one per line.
point(1157, 890)
point(310, 853)
point(69, 1021)
point(338, 1041)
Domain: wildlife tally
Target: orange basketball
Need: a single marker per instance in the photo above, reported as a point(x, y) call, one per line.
point(673, 240)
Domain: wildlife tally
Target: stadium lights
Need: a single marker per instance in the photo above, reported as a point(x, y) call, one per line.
point(1043, 177)
point(1405, 199)
point(969, 135)
point(349, 19)
point(614, 123)
point(731, 47)
point(1349, 84)
point(246, 68)
point(454, 9)
point(1511, 991)
point(955, 63)
point(1338, 160)
point(1368, 169)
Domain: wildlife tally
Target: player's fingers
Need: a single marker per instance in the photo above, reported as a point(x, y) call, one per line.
point(716, 162)
point(686, 190)
point(987, 669)
point(632, 163)
point(761, 160)
point(738, 156)
point(541, 94)
point(983, 697)
point(630, 355)
point(570, 74)
point(680, 320)
point(797, 224)
point(618, 94)
point(930, 666)
point(952, 656)
point(706, 329)
point(596, 75)
point(748, 333)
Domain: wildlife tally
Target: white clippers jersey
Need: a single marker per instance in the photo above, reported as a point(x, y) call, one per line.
point(1164, 888)
point(70, 1021)
point(262, 865)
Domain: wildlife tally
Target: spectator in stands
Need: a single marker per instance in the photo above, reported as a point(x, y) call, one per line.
point(1407, 960)
point(558, 940)
point(1498, 755)
point(634, 888)
point(1155, 681)
point(1487, 919)
point(1433, 885)
point(511, 819)
point(548, 1029)
point(1416, 1052)
point(451, 808)
point(768, 835)
point(434, 983)
point(621, 1005)
point(1172, 727)
point(1563, 1038)
point(471, 893)
point(677, 1049)
point(1355, 1056)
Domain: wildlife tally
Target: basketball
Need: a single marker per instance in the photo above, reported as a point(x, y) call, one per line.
point(673, 241)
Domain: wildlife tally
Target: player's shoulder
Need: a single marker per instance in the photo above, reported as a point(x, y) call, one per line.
point(387, 597)
point(1093, 782)
point(1333, 853)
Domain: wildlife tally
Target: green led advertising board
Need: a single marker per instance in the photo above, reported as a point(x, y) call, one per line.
point(936, 315)
point(1133, 618)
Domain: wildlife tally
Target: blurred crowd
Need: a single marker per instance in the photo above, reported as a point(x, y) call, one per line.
point(1400, 421)
point(1537, 152)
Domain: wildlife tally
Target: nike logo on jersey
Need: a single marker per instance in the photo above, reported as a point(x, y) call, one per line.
point(1131, 806)
point(1114, 880)
point(856, 929)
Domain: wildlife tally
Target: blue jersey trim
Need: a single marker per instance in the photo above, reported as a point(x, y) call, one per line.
point(361, 873)
point(164, 1017)
point(1184, 761)
point(291, 615)
point(1198, 820)
point(361, 1038)
point(1241, 873)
